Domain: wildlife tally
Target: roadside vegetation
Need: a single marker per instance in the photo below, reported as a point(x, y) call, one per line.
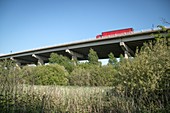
point(139, 84)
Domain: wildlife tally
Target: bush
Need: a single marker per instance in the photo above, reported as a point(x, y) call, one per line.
point(93, 57)
point(146, 78)
point(46, 75)
point(62, 60)
point(92, 75)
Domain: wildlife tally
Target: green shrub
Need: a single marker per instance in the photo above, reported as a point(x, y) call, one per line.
point(112, 60)
point(92, 75)
point(80, 77)
point(46, 75)
point(93, 57)
point(28, 73)
point(108, 73)
point(62, 60)
point(146, 78)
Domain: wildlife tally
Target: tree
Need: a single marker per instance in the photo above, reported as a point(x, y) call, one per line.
point(92, 75)
point(146, 77)
point(45, 75)
point(62, 60)
point(121, 58)
point(112, 60)
point(93, 57)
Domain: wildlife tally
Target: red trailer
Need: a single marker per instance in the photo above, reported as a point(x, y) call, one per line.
point(115, 32)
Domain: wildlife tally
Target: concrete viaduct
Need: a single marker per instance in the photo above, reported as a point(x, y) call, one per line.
point(125, 44)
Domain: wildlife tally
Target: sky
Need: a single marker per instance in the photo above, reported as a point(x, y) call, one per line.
point(30, 24)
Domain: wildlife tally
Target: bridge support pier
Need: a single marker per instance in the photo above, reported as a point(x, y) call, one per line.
point(18, 63)
point(127, 51)
point(74, 55)
point(40, 59)
point(126, 55)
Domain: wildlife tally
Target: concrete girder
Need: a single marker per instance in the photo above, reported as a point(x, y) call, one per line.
point(127, 51)
point(40, 59)
point(21, 60)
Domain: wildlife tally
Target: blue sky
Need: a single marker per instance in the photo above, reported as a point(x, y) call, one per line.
point(28, 24)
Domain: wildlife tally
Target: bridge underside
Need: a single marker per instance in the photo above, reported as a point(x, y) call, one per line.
point(124, 44)
point(102, 51)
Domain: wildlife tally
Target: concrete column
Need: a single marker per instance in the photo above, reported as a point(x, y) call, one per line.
point(40, 59)
point(74, 54)
point(127, 51)
point(74, 58)
point(126, 55)
point(18, 63)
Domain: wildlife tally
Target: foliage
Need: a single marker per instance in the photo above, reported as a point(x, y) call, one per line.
point(6, 66)
point(28, 74)
point(112, 60)
point(80, 77)
point(93, 57)
point(146, 78)
point(46, 75)
point(108, 73)
point(92, 75)
point(121, 58)
point(20, 98)
point(62, 60)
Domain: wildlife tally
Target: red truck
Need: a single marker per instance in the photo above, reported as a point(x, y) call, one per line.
point(115, 32)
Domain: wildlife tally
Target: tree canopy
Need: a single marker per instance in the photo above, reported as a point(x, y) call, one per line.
point(93, 57)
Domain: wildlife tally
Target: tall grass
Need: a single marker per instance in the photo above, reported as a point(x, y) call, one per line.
point(16, 97)
point(22, 98)
point(72, 98)
point(46, 99)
